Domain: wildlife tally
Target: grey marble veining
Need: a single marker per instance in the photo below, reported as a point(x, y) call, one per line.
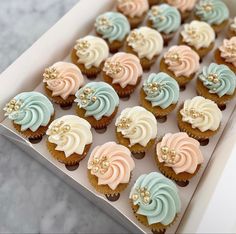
point(32, 199)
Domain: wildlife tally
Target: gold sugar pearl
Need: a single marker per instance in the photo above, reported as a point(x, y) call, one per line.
point(165, 150)
point(135, 197)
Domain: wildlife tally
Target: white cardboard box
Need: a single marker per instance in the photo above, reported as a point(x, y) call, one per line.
point(210, 207)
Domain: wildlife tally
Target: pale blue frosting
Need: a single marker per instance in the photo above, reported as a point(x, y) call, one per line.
point(225, 79)
point(216, 13)
point(34, 110)
point(164, 201)
point(98, 99)
point(165, 18)
point(116, 28)
point(161, 90)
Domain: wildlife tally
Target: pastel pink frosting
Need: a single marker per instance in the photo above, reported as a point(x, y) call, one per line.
point(133, 8)
point(188, 155)
point(120, 164)
point(67, 82)
point(183, 5)
point(129, 66)
point(228, 50)
point(187, 62)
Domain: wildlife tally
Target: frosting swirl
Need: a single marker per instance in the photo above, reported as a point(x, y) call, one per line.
point(133, 8)
point(146, 42)
point(112, 164)
point(180, 152)
point(161, 90)
point(70, 133)
point(157, 198)
point(201, 113)
point(137, 124)
point(63, 79)
point(98, 99)
point(182, 5)
point(198, 34)
point(233, 25)
point(113, 26)
point(91, 51)
point(212, 11)
point(30, 110)
point(165, 18)
point(182, 60)
point(123, 68)
point(228, 50)
point(219, 79)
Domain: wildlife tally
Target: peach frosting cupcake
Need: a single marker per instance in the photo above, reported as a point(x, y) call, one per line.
point(109, 169)
point(123, 71)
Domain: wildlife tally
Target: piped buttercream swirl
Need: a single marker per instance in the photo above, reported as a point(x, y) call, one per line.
point(182, 5)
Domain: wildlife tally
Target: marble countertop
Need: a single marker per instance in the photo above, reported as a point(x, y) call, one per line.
point(32, 199)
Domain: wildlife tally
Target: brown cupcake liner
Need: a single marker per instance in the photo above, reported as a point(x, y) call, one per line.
point(137, 148)
point(60, 155)
point(185, 15)
point(122, 92)
point(181, 80)
point(220, 60)
point(156, 110)
point(154, 2)
point(97, 124)
point(231, 33)
point(202, 52)
point(220, 101)
point(194, 132)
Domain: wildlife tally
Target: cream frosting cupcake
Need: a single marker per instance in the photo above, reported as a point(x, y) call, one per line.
point(109, 169)
point(69, 139)
point(181, 63)
point(146, 43)
point(61, 81)
point(200, 118)
point(123, 71)
point(178, 156)
point(89, 53)
point(200, 36)
point(136, 128)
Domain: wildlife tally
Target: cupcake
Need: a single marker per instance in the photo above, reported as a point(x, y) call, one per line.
point(181, 63)
point(109, 169)
point(217, 83)
point(154, 2)
point(200, 118)
point(200, 36)
point(114, 28)
point(88, 54)
point(146, 43)
point(123, 72)
point(213, 12)
point(232, 29)
point(61, 82)
point(31, 113)
point(136, 128)
point(178, 156)
point(69, 139)
point(155, 201)
point(184, 6)
point(226, 54)
point(159, 94)
point(97, 102)
point(165, 19)
point(134, 10)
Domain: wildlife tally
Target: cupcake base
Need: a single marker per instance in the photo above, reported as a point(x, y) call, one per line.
point(97, 124)
point(154, 2)
point(220, 60)
point(72, 160)
point(231, 33)
point(122, 92)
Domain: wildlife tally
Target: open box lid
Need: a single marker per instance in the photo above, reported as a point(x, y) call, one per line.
point(212, 206)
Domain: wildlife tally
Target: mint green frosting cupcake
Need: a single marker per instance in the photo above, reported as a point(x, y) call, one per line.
point(98, 99)
point(157, 198)
point(212, 11)
point(112, 26)
point(219, 79)
point(30, 110)
point(165, 18)
point(161, 90)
